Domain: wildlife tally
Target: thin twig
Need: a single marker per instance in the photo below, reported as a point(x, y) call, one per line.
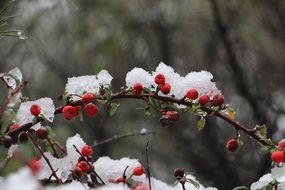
point(52, 145)
point(147, 164)
point(46, 159)
point(92, 169)
point(118, 137)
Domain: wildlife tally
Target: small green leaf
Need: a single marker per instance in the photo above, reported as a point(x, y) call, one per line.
point(5, 126)
point(194, 107)
point(153, 102)
point(196, 184)
point(147, 111)
point(114, 108)
point(231, 112)
point(262, 130)
point(240, 188)
point(107, 93)
point(201, 123)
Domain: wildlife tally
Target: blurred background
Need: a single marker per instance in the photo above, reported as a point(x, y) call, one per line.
point(240, 41)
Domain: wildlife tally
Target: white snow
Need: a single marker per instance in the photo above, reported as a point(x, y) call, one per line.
point(24, 116)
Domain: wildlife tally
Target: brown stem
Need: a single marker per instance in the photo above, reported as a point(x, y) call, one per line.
point(46, 159)
point(52, 145)
point(235, 124)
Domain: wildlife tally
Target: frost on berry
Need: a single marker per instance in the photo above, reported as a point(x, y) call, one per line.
point(137, 88)
point(24, 116)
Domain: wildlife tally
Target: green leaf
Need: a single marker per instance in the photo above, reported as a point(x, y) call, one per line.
point(231, 112)
point(147, 111)
point(262, 130)
point(108, 93)
point(265, 149)
point(114, 108)
point(201, 123)
point(241, 188)
point(194, 107)
point(196, 184)
point(153, 102)
point(5, 126)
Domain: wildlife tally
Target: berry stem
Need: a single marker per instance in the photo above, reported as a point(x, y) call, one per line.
point(51, 143)
point(46, 159)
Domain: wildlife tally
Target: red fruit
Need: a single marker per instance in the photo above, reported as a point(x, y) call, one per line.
point(69, 112)
point(232, 145)
point(35, 166)
point(218, 100)
point(281, 144)
point(23, 137)
point(42, 133)
point(138, 87)
point(7, 141)
point(84, 166)
point(165, 89)
point(35, 110)
point(91, 110)
point(14, 127)
point(192, 94)
point(77, 109)
point(179, 173)
point(278, 156)
point(87, 98)
point(203, 100)
point(86, 151)
point(137, 171)
point(119, 180)
point(173, 115)
point(77, 172)
point(159, 79)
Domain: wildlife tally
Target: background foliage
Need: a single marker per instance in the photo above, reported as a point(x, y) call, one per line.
point(240, 42)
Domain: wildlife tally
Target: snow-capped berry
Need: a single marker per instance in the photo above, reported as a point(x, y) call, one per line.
point(192, 94)
point(178, 173)
point(14, 127)
point(91, 110)
point(137, 88)
point(86, 150)
point(218, 100)
point(203, 100)
point(281, 144)
point(69, 112)
point(84, 166)
point(23, 137)
point(232, 145)
point(159, 79)
point(88, 97)
point(137, 171)
point(7, 141)
point(35, 165)
point(278, 156)
point(35, 110)
point(173, 115)
point(165, 89)
point(42, 133)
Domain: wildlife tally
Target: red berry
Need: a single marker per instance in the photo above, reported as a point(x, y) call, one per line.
point(119, 180)
point(35, 110)
point(69, 112)
point(14, 127)
point(278, 156)
point(192, 94)
point(159, 79)
point(179, 173)
point(218, 100)
point(232, 145)
point(86, 151)
point(87, 98)
point(137, 171)
point(165, 89)
point(138, 87)
point(173, 115)
point(7, 141)
point(140, 186)
point(84, 166)
point(91, 110)
point(35, 165)
point(203, 100)
point(42, 133)
point(281, 144)
point(77, 172)
point(23, 137)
